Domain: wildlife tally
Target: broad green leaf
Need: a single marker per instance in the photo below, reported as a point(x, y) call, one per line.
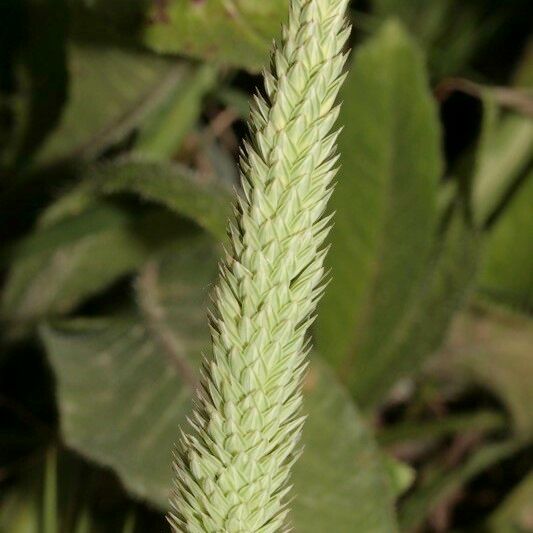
point(163, 133)
point(493, 348)
point(223, 31)
point(341, 482)
point(65, 263)
point(202, 199)
point(385, 202)
point(446, 482)
point(124, 383)
point(84, 243)
point(507, 268)
point(66, 227)
point(424, 19)
point(425, 322)
point(111, 91)
point(124, 386)
point(515, 514)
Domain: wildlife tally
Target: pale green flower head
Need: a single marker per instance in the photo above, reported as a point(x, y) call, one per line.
point(232, 469)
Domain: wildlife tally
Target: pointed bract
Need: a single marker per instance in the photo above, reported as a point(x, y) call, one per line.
point(232, 471)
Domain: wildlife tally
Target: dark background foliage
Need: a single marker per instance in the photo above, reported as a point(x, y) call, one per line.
point(120, 124)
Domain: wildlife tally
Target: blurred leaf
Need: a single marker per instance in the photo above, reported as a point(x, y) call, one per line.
point(505, 150)
point(450, 31)
point(66, 228)
point(493, 347)
point(84, 243)
point(426, 497)
point(202, 199)
point(507, 269)
point(226, 32)
point(84, 523)
point(515, 514)
point(341, 482)
point(129, 523)
point(12, 39)
point(41, 72)
point(125, 383)
point(481, 421)
point(385, 203)
point(112, 90)
point(425, 322)
point(163, 134)
point(72, 261)
point(19, 511)
point(401, 474)
point(49, 511)
point(236, 100)
point(524, 73)
point(234, 33)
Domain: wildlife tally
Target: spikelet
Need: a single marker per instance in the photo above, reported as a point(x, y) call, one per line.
point(232, 470)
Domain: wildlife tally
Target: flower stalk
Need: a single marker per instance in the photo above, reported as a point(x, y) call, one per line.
point(232, 469)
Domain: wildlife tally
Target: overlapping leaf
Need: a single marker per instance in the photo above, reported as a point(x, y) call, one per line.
point(35, 70)
point(61, 265)
point(507, 273)
point(201, 198)
point(446, 482)
point(505, 150)
point(84, 242)
point(124, 385)
point(423, 327)
point(111, 91)
point(223, 31)
point(238, 33)
point(162, 135)
point(385, 202)
point(493, 348)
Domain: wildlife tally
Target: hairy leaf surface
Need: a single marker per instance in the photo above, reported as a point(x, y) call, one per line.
point(201, 198)
point(61, 265)
point(125, 383)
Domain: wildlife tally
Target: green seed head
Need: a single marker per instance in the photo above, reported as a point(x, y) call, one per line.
point(232, 469)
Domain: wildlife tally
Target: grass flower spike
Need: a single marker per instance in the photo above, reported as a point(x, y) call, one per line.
point(232, 470)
